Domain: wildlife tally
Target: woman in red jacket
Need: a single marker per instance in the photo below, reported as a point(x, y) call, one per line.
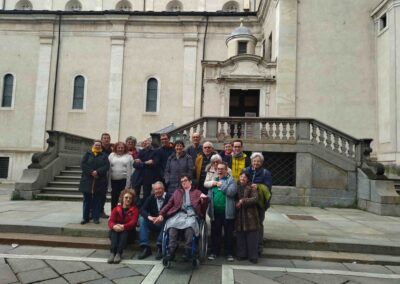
point(122, 224)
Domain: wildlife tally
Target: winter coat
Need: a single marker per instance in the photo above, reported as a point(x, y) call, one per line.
point(129, 220)
point(229, 187)
point(150, 208)
point(238, 164)
point(211, 175)
point(91, 163)
point(145, 174)
point(262, 176)
point(247, 215)
point(162, 154)
point(175, 168)
point(174, 204)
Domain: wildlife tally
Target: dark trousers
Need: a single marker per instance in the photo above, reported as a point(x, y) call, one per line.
point(173, 239)
point(117, 186)
point(146, 192)
point(247, 244)
point(217, 225)
point(120, 240)
point(91, 202)
point(261, 215)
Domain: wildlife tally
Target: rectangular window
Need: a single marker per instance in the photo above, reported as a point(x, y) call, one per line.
point(4, 164)
point(382, 22)
point(242, 47)
point(269, 52)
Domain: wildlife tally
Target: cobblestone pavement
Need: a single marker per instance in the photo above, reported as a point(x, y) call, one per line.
point(34, 264)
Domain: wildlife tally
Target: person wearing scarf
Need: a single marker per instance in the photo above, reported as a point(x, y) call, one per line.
point(238, 160)
point(94, 182)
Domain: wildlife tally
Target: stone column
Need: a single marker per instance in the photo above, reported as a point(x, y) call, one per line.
point(115, 82)
point(287, 58)
point(42, 91)
point(189, 76)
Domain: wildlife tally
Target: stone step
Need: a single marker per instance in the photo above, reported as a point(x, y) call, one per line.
point(331, 256)
point(71, 173)
point(64, 190)
point(67, 178)
point(62, 196)
point(73, 168)
point(63, 184)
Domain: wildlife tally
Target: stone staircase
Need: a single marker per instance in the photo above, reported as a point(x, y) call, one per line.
point(65, 186)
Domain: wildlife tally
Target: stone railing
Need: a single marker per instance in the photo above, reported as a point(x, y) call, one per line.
point(275, 131)
point(63, 150)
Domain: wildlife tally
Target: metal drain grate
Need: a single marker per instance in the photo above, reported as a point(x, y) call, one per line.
point(302, 217)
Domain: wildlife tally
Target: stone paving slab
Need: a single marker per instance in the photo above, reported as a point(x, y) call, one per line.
point(21, 265)
point(37, 275)
point(367, 268)
point(100, 281)
point(130, 280)
point(58, 280)
point(7, 275)
point(63, 267)
point(122, 272)
point(82, 276)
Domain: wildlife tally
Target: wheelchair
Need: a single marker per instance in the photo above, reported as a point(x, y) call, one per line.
point(199, 246)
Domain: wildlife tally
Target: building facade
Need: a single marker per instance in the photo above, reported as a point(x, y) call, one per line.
point(133, 67)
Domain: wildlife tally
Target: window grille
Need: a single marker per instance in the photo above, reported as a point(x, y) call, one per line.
point(151, 98)
point(282, 167)
point(8, 86)
point(79, 90)
point(4, 164)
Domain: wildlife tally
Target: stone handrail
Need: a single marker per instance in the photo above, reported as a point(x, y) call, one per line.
point(64, 149)
point(275, 131)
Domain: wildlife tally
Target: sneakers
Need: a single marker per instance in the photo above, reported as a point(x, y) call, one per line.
point(145, 253)
point(159, 253)
point(111, 258)
point(212, 257)
point(117, 258)
point(229, 258)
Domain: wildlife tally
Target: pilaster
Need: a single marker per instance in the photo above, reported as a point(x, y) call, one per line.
point(42, 91)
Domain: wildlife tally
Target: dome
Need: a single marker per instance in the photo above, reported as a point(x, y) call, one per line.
point(241, 31)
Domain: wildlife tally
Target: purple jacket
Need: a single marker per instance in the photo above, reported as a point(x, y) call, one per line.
point(175, 203)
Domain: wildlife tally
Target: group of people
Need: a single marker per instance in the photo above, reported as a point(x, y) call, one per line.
point(172, 187)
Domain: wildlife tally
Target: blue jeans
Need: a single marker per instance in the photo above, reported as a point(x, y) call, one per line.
point(145, 227)
point(91, 201)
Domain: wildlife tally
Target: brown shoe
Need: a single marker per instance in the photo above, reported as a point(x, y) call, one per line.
point(117, 258)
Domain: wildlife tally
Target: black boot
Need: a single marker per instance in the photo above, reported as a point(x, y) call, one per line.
point(145, 252)
point(159, 253)
point(187, 255)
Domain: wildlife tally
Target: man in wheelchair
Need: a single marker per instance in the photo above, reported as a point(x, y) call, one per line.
point(183, 211)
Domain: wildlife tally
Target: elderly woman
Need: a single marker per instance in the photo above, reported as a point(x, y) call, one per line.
point(93, 182)
point(178, 164)
point(131, 142)
point(211, 170)
point(247, 223)
point(262, 182)
point(182, 210)
point(122, 224)
point(120, 171)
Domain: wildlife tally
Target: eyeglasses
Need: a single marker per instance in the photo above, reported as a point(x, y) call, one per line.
point(220, 169)
point(127, 197)
point(207, 147)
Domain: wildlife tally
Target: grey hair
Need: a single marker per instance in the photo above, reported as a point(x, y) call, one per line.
point(208, 142)
point(257, 154)
point(215, 157)
point(131, 138)
point(157, 183)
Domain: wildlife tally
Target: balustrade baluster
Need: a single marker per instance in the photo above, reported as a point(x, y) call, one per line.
point(271, 130)
point(264, 133)
point(284, 131)
point(335, 143)
point(343, 146)
point(328, 140)
point(277, 130)
point(201, 131)
point(351, 149)
point(239, 130)
point(291, 130)
point(313, 133)
point(322, 133)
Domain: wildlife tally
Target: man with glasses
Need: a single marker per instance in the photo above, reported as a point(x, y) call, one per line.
point(222, 212)
point(196, 148)
point(202, 160)
point(238, 160)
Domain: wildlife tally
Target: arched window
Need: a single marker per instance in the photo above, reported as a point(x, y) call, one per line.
point(123, 5)
point(174, 6)
point(231, 6)
point(8, 87)
point(151, 96)
point(73, 5)
point(23, 5)
point(79, 92)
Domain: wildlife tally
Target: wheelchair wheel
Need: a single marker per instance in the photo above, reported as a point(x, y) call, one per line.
point(164, 244)
point(203, 241)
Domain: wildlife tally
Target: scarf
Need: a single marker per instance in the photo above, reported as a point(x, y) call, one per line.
point(95, 153)
point(238, 155)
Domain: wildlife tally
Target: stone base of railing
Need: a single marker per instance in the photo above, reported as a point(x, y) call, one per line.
point(377, 196)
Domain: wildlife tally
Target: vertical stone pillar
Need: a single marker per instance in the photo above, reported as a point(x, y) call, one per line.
point(287, 58)
point(115, 82)
point(189, 75)
point(42, 91)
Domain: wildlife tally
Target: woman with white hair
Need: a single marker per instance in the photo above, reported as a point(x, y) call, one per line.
point(211, 170)
point(262, 182)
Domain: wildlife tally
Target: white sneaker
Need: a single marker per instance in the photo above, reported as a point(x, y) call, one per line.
point(229, 258)
point(211, 257)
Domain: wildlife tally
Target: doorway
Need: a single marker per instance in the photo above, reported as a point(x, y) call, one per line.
point(244, 103)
